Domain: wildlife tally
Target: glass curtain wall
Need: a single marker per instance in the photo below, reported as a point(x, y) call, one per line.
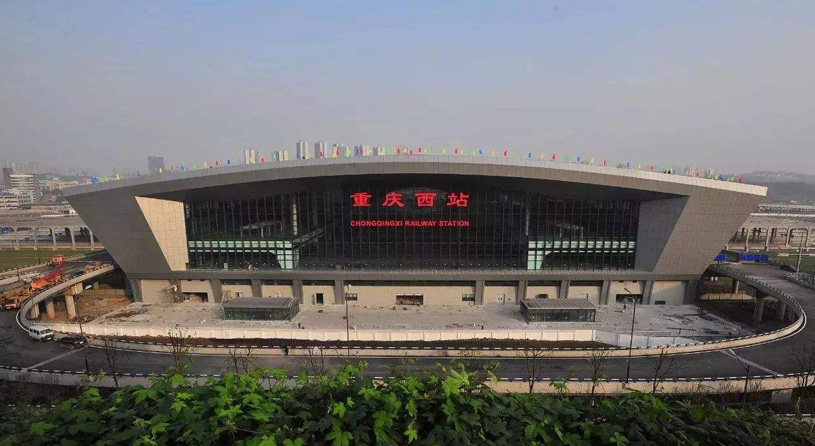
point(389, 225)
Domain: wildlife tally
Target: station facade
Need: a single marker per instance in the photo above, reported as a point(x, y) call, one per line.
point(427, 230)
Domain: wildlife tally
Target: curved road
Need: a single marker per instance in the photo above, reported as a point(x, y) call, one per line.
point(18, 350)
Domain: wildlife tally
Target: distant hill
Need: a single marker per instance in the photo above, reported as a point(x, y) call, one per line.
point(765, 176)
point(786, 191)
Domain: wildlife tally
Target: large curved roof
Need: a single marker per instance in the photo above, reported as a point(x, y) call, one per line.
point(422, 164)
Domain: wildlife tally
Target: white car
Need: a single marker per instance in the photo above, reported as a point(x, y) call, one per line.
point(40, 333)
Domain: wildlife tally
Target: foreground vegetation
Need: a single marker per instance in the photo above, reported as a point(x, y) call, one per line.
point(451, 406)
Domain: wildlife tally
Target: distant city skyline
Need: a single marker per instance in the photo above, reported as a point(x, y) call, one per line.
point(103, 85)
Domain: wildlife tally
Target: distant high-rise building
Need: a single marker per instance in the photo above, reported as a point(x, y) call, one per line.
point(7, 171)
point(251, 156)
point(320, 149)
point(9, 201)
point(302, 150)
point(155, 163)
point(23, 182)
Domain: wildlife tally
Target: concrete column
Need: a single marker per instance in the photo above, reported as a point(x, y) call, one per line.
point(53, 239)
point(758, 313)
point(780, 311)
point(135, 287)
point(747, 240)
point(35, 240)
point(339, 292)
point(73, 241)
point(479, 292)
point(691, 291)
point(789, 236)
point(646, 294)
point(563, 289)
point(522, 284)
point(604, 291)
point(217, 290)
point(34, 312)
point(767, 241)
point(70, 307)
point(91, 237)
point(49, 308)
point(734, 288)
point(257, 289)
point(297, 287)
point(789, 315)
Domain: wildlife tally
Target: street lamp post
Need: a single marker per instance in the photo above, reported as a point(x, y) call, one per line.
point(82, 334)
point(631, 337)
point(347, 322)
point(800, 253)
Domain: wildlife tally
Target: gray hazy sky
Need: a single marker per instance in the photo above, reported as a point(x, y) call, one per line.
point(725, 84)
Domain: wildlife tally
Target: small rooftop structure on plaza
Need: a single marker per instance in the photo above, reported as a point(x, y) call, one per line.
point(558, 310)
point(261, 308)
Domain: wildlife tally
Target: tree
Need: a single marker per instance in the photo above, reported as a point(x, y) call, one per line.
point(803, 357)
point(315, 360)
point(114, 356)
point(240, 360)
point(534, 358)
point(663, 365)
point(179, 345)
point(597, 366)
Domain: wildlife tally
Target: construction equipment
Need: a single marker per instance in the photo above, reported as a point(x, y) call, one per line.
point(13, 298)
point(57, 260)
point(46, 281)
point(93, 266)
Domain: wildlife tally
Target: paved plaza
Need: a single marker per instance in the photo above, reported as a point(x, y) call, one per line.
point(652, 320)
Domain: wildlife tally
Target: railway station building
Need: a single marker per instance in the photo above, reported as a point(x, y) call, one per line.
point(420, 230)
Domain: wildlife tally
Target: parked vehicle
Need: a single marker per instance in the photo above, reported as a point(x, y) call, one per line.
point(789, 268)
point(40, 333)
point(72, 342)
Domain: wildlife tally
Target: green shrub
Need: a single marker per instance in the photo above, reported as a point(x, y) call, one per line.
point(449, 407)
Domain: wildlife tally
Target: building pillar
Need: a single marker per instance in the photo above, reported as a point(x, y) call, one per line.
point(747, 240)
point(563, 289)
point(297, 288)
point(70, 307)
point(135, 289)
point(34, 313)
point(35, 240)
point(53, 239)
point(339, 292)
point(780, 310)
point(767, 240)
point(646, 293)
point(217, 290)
point(479, 292)
point(91, 234)
point(691, 291)
point(604, 291)
point(789, 238)
point(522, 284)
point(73, 241)
point(734, 287)
point(758, 312)
point(49, 308)
point(257, 289)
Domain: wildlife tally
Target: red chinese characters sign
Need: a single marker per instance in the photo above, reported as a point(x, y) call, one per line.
point(423, 199)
